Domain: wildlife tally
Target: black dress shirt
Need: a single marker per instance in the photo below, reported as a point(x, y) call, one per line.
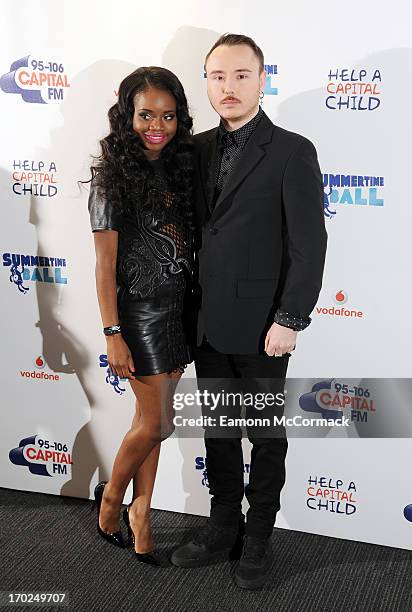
point(229, 148)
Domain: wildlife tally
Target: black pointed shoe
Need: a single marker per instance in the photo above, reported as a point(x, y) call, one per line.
point(253, 568)
point(116, 537)
point(211, 542)
point(151, 557)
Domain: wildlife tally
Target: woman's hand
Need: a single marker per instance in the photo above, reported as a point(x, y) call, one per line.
point(119, 357)
point(118, 353)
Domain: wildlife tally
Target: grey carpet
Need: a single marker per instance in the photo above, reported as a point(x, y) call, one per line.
point(50, 543)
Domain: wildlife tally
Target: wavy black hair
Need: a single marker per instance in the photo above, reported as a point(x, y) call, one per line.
point(122, 169)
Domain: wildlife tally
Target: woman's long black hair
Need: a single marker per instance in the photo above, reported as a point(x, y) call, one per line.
point(122, 170)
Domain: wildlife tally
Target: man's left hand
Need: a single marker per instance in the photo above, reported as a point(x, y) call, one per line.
point(280, 340)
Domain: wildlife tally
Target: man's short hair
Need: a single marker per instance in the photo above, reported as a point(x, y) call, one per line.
point(230, 40)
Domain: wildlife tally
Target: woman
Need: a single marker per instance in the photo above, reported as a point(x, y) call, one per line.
point(140, 212)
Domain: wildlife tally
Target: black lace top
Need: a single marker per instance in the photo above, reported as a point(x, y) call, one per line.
point(154, 240)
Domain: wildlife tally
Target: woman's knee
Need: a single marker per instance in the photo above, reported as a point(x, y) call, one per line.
point(168, 430)
point(154, 408)
point(158, 432)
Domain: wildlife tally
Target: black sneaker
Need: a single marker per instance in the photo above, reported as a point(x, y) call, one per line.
point(254, 565)
point(210, 542)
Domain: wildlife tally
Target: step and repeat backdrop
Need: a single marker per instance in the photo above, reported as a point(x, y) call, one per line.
point(340, 75)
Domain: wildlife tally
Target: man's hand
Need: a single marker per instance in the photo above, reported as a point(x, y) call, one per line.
point(280, 340)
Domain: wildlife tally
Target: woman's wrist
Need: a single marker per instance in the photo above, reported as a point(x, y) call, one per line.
point(111, 330)
point(113, 337)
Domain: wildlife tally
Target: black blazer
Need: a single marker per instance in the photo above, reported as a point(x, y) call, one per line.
point(262, 247)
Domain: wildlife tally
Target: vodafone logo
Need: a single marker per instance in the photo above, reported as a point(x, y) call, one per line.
point(39, 362)
point(341, 297)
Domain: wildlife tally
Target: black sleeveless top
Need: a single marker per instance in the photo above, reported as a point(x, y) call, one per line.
point(154, 240)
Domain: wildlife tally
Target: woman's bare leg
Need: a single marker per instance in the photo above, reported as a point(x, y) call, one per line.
point(143, 484)
point(144, 477)
point(153, 426)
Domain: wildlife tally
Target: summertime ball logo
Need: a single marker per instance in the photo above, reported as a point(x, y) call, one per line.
point(271, 73)
point(350, 191)
point(42, 457)
point(356, 89)
point(38, 81)
point(200, 465)
point(26, 269)
point(112, 379)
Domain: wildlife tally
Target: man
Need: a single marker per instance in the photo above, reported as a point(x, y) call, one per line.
point(261, 251)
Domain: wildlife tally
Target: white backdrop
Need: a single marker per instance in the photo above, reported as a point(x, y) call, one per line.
point(340, 75)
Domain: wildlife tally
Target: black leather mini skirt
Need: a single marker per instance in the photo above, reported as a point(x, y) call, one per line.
point(154, 327)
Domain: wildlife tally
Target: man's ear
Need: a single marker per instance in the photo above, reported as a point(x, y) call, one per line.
point(262, 80)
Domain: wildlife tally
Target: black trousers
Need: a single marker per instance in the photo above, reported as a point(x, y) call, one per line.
point(253, 375)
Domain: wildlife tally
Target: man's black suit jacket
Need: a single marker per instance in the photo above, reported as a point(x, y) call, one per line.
point(262, 246)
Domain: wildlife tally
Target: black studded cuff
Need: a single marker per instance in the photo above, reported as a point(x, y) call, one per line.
point(289, 320)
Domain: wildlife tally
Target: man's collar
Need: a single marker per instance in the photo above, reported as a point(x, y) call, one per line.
point(242, 132)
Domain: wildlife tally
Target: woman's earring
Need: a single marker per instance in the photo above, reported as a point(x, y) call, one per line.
point(261, 96)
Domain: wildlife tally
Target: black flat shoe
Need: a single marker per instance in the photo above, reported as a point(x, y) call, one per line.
point(151, 557)
point(115, 538)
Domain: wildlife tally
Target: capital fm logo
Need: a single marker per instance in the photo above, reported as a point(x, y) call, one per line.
point(340, 297)
point(112, 379)
point(37, 81)
point(334, 398)
point(27, 269)
point(41, 456)
point(349, 191)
